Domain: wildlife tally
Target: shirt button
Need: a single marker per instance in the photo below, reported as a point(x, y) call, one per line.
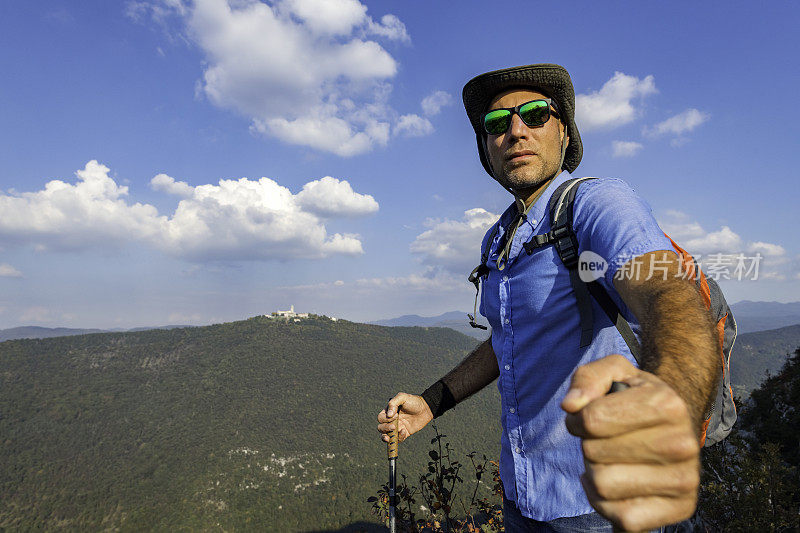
point(508, 367)
point(505, 278)
point(512, 410)
point(507, 321)
point(533, 221)
point(518, 449)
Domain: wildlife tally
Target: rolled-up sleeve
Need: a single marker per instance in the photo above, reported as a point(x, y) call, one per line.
point(611, 220)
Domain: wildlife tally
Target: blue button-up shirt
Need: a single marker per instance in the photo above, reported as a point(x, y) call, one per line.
point(536, 337)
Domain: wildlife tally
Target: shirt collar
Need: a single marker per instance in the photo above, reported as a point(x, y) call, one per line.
point(539, 209)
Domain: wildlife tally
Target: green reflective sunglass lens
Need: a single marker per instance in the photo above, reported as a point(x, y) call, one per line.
point(497, 121)
point(535, 113)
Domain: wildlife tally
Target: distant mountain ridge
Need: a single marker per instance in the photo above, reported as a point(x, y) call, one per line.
point(750, 307)
point(750, 316)
point(759, 316)
point(420, 321)
point(456, 320)
point(759, 353)
point(38, 332)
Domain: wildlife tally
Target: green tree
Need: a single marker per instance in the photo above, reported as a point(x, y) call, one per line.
point(774, 415)
point(750, 480)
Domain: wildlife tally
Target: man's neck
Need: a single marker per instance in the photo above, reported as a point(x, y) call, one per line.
point(526, 197)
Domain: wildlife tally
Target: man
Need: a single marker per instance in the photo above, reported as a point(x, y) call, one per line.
point(568, 446)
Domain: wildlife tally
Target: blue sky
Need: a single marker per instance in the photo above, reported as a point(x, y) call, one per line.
point(167, 161)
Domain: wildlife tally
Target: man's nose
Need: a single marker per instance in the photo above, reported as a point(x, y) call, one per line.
point(517, 127)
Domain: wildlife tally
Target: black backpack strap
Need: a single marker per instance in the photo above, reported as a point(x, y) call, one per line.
point(492, 235)
point(480, 271)
point(612, 312)
point(560, 234)
point(562, 237)
point(566, 245)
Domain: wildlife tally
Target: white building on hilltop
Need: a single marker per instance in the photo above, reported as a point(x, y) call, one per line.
point(289, 314)
point(295, 317)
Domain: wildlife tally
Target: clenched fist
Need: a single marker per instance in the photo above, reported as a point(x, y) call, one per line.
point(640, 447)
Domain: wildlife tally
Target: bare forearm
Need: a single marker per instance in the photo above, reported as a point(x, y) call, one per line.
point(679, 345)
point(476, 371)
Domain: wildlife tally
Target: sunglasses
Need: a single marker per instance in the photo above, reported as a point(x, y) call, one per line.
point(534, 113)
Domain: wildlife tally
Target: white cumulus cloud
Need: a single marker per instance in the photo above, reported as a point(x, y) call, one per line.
point(413, 126)
point(389, 27)
point(69, 216)
point(695, 239)
point(8, 271)
point(329, 197)
point(724, 247)
point(625, 148)
point(164, 183)
point(328, 17)
point(307, 72)
point(679, 124)
point(247, 219)
point(434, 102)
point(330, 134)
point(232, 220)
point(614, 104)
point(767, 248)
point(454, 245)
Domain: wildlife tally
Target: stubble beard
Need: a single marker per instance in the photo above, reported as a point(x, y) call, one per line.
point(523, 178)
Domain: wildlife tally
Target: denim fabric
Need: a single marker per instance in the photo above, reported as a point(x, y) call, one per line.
point(514, 522)
point(531, 308)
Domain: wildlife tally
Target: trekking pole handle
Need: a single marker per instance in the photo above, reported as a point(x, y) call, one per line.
point(394, 437)
point(617, 386)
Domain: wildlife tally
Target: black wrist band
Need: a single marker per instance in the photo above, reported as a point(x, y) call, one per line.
point(439, 398)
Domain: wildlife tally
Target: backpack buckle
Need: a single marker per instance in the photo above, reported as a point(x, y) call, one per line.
point(472, 320)
point(568, 250)
point(537, 241)
point(474, 277)
point(477, 273)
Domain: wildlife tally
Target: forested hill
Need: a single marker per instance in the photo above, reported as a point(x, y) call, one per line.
point(254, 425)
point(261, 424)
point(759, 353)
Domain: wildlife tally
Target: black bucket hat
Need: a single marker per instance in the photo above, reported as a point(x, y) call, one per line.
point(552, 80)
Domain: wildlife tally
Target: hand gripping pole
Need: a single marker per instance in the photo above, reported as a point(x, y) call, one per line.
point(394, 440)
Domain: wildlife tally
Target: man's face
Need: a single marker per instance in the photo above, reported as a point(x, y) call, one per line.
point(524, 157)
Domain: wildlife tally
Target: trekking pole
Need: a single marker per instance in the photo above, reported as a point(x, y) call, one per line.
point(394, 439)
